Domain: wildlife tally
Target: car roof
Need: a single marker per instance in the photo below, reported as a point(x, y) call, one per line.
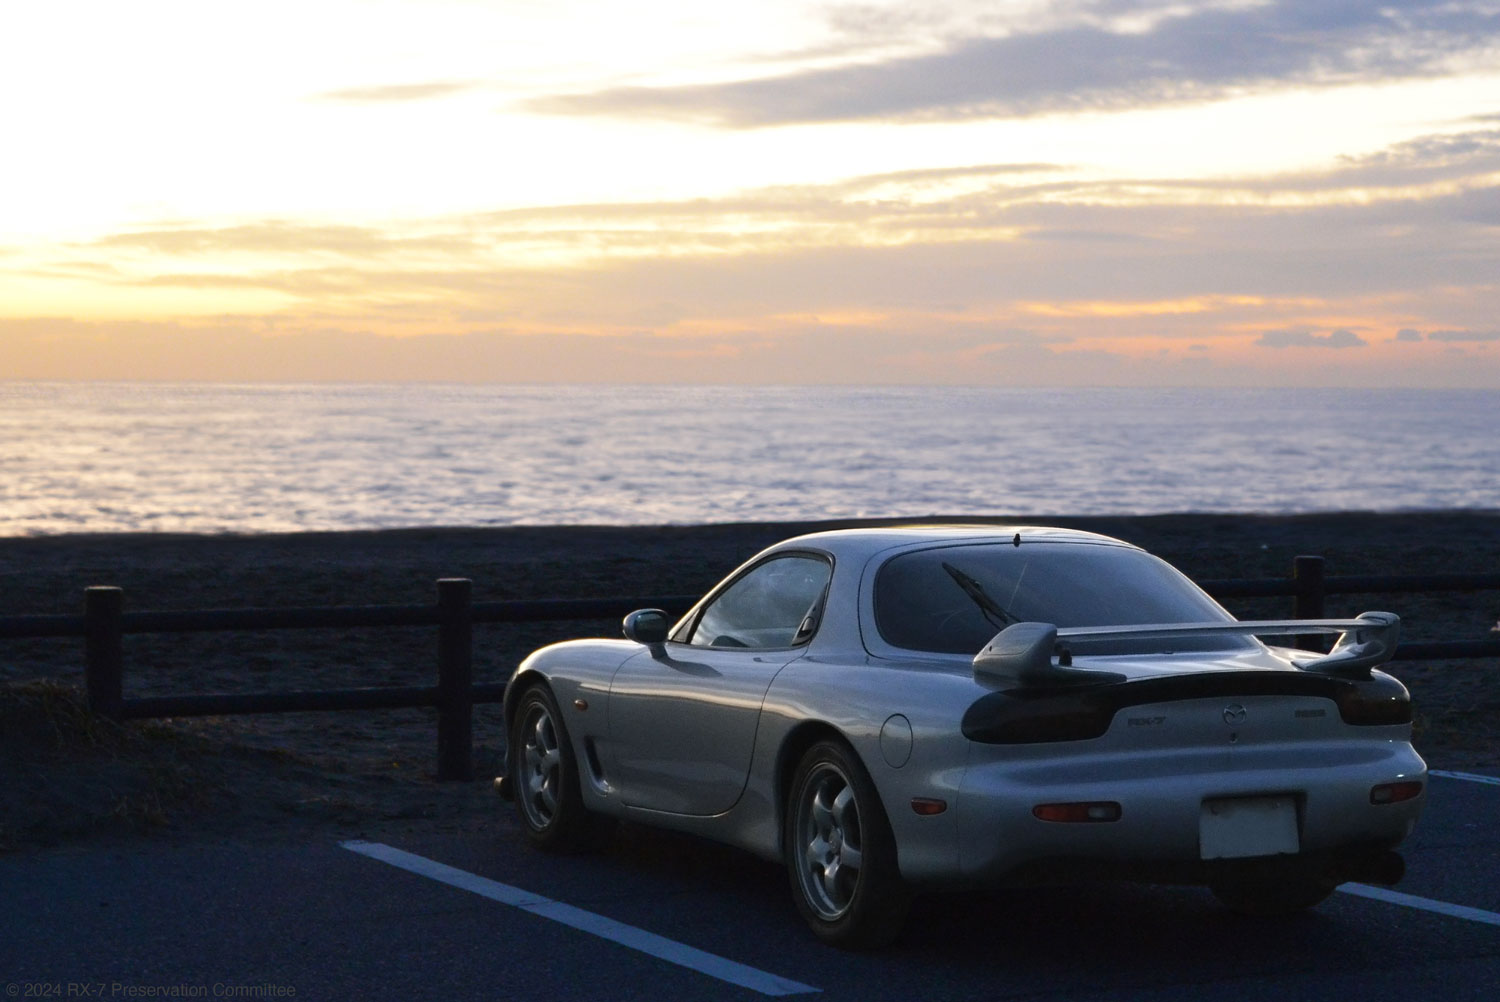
point(865, 542)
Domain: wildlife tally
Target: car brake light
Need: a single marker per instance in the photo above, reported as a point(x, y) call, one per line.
point(1379, 699)
point(1394, 793)
point(1083, 712)
point(1106, 810)
point(1005, 718)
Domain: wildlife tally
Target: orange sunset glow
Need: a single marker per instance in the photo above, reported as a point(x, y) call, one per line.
point(1067, 192)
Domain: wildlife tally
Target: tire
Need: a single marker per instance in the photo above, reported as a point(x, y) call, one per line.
point(1273, 890)
point(544, 776)
point(840, 852)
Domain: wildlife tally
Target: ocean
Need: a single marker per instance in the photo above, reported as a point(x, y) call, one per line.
point(211, 458)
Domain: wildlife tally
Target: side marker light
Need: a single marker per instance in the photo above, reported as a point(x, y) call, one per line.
point(1395, 793)
point(928, 806)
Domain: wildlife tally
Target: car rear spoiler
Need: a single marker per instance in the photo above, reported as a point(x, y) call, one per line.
point(1037, 653)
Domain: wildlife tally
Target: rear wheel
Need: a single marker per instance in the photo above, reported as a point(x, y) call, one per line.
point(544, 776)
point(840, 852)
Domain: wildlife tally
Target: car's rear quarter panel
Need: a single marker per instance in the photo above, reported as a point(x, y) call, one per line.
point(854, 701)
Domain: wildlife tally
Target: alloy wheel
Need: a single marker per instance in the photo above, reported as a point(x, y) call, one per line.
point(830, 842)
point(541, 766)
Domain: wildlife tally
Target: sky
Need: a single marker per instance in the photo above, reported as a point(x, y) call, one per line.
point(1043, 192)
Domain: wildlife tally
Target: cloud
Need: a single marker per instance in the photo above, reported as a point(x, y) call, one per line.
point(400, 93)
point(274, 236)
point(884, 243)
point(1448, 336)
point(1124, 55)
point(237, 350)
point(1456, 336)
point(1341, 338)
point(949, 261)
point(971, 234)
point(1452, 156)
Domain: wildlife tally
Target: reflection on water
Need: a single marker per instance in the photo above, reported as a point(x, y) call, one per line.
point(256, 458)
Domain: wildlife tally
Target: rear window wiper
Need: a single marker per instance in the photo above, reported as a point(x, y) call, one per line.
point(992, 610)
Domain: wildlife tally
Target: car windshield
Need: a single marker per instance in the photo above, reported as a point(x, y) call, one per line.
point(954, 599)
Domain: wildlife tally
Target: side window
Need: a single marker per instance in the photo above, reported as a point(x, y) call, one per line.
point(766, 607)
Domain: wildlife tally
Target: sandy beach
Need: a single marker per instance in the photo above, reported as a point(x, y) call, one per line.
point(359, 772)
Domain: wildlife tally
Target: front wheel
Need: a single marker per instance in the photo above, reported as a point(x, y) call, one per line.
point(544, 776)
point(840, 852)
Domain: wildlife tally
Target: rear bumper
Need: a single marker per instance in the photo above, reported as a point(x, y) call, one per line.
point(1158, 833)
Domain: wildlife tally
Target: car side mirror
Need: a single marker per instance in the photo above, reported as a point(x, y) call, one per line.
point(647, 626)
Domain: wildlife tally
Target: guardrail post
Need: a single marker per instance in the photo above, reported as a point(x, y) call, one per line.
point(104, 666)
point(1307, 575)
point(455, 679)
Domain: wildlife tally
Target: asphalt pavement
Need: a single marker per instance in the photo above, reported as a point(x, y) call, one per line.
point(660, 916)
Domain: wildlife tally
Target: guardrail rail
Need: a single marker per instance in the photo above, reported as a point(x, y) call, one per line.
point(104, 624)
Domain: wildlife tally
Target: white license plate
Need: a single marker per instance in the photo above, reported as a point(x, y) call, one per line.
point(1247, 826)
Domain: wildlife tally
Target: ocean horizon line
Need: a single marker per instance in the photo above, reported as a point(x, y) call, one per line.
point(809, 524)
point(1349, 386)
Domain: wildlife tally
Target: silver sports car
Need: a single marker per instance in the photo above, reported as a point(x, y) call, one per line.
point(892, 710)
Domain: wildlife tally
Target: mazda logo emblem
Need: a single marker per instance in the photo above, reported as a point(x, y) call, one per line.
point(1234, 713)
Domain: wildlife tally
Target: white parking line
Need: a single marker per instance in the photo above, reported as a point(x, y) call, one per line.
point(626, 935)
point(1428, 904)
point(1472, 777)
point(1424, 904)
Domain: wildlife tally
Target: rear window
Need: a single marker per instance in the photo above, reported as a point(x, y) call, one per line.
point(954, 599)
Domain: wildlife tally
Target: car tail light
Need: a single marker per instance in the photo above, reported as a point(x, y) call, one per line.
point(1100, 810)
point(1083, 712)
point(1009, 719)
point(1395, 793)
point(1379, 699)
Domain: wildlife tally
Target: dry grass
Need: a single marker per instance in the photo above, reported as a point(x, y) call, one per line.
point(73, 773)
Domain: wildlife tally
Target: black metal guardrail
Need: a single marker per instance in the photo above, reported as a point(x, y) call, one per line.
point(104, 623)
